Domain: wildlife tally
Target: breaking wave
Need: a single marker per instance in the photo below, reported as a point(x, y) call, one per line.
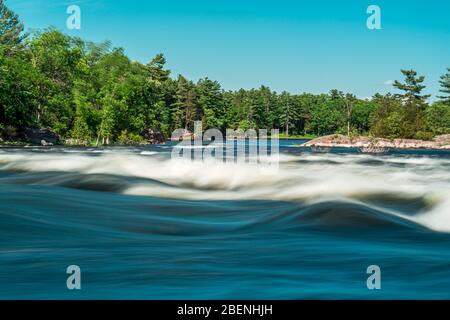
point(407, 189)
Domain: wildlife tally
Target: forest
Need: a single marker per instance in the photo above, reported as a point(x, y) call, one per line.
point(92, 93)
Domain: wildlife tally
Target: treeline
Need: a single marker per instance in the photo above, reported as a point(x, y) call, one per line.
point(93, 93)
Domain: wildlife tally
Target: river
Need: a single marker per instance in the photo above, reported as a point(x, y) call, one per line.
point(141, 225)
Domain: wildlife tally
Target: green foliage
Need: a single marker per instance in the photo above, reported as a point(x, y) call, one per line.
point(361, 115)
point(386, 120)
point(393, 125)
point(424, 135)
point(186, 108)
point(18, 92)
point(11, 30)
point(156, 69)
point(327, 114)
point(289, 111)
point(93, 93)
point(438, 118)
point(412, 86)
point(445, 87)
point(126, 137)
point(246, 125)
point(211, 104)
point(402, 116)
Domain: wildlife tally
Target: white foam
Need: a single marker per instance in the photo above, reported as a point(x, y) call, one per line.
point(313, 178)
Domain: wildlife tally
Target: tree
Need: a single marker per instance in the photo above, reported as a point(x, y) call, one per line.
point(386, 121)
point(349, 103)
point(11, 30)
point(263, 107)
point(84, 90)
point(325, 116)
point(186, 106)
point(289, 113)
point(18, 92)
point(61, 62)
point(438, 118)
point(306, 101)
point(412, 87)
point(211, 103)
point(413, 115)
point(106, 130)
point(445, 84)
point(361, 114)
point(156, 68)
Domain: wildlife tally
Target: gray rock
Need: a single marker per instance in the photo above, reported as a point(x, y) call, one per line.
point(45, 143)
point(153, 136)
point(37, 136)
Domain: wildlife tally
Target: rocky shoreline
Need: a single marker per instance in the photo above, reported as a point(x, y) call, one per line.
point(340, 141)
point(46, 137)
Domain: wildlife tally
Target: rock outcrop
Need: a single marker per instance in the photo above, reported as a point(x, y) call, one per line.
point(153, 136)
point(44, 137)
point(341, 141)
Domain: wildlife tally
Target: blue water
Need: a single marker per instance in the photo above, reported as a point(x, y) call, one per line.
point(143, 226)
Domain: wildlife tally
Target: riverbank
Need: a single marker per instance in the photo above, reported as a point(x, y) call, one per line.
point(340, 141)
point(46, 137)
point(331, 141)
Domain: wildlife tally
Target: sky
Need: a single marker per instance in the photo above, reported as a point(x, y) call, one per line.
point(297, 46)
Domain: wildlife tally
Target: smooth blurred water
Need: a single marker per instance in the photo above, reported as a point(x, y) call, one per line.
point(143, 226)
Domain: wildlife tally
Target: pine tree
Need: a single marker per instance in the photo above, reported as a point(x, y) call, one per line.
point(185, 108)
point(412, 86)
point(445, 84)
point(11, 30)
point(289, 111)
point(156, 68)
point(211, 104)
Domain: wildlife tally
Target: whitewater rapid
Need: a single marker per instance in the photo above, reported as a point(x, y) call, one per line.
point(370, 180)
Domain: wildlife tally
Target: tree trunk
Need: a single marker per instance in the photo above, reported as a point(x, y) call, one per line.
point(38, 113)
point(349, 115)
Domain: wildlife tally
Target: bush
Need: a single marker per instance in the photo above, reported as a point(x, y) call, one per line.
point(7, 132)
point(246, 125)
point(393, 125)
point(424, 135)
point(438, 118)
point(126, 137)
point(386, 121)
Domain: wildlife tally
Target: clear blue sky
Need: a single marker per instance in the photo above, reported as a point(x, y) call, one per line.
point(298, 46)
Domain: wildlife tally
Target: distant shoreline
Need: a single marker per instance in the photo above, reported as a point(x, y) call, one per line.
point(330, 141)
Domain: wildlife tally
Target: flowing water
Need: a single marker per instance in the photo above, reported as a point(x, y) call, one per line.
point(144, 226)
